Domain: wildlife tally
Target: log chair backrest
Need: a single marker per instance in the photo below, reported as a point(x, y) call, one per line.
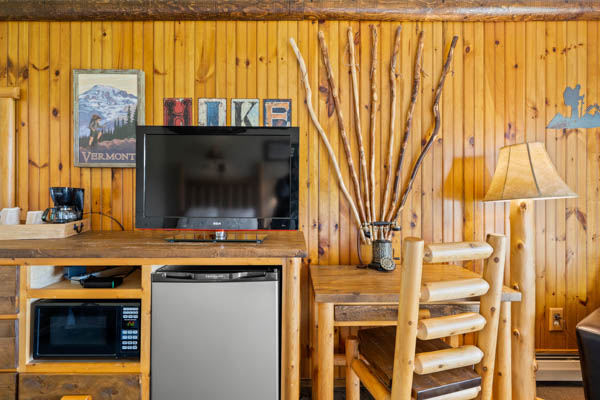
point(489, 288)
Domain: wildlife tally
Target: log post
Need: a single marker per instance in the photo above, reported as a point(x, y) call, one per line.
point(522, 273)
point(8, 171)
point(352, 380)
point(325, 351)
point(502, 372)
point(493, 273)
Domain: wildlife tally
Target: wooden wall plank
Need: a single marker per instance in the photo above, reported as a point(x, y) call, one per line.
point(54, 114)
point(4, 53)
point(44, 115)
point(479, 229)
point(572, 237)
point(23, 118)
point(64, 113)
point(468, 117)
point(558, 340)
point(551, 139)
point(107, 174)
point(506, 83)
point(34, 116)
point(537, 108)
point(438, 147)
point(581, 213)
point(593, 167)
point(324, 113)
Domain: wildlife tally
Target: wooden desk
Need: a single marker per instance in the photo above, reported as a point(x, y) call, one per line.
point(345, 295)
point(145, 249)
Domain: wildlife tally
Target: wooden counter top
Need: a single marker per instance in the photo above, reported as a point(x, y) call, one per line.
point(349, 284)
point(149, 246)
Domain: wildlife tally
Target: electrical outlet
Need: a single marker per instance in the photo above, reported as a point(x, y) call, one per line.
point(555, 319)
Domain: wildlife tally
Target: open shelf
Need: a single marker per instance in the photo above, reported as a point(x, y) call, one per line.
point(130, 289)
point(81, 367)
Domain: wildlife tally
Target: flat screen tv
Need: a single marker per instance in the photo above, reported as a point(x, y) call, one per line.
point(217, 178)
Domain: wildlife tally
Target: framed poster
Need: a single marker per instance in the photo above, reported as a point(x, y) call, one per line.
point(107, 107)
point(177, 111)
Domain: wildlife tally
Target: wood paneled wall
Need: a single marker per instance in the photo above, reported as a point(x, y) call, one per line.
point(506, 84)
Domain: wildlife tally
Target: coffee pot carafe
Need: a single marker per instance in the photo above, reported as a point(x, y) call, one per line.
point(68, 205)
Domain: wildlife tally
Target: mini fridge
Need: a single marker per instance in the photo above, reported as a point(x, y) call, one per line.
point(215, 333)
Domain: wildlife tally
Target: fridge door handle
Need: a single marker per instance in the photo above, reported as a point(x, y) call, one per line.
point(248, 275)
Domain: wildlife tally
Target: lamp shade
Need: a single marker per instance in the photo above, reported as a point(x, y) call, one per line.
point(525, 171)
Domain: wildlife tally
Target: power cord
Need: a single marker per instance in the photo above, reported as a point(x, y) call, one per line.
point(108, 216)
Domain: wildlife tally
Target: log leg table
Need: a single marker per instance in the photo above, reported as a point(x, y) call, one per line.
point(344, 295)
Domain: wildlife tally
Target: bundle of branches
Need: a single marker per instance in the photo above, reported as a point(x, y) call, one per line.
point(373, 225)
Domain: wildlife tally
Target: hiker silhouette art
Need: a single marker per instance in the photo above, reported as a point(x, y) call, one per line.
point(590, 118)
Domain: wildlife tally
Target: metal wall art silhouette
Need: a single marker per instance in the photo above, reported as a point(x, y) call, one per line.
point(580, 117)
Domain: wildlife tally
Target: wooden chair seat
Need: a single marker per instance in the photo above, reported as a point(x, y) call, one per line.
point(376, 346)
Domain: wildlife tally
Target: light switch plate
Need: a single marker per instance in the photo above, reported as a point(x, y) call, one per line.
point(556, 320)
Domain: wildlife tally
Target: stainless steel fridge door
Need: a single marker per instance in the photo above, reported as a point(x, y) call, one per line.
point(215, 341)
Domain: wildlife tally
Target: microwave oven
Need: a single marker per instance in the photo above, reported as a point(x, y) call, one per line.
point(95, 329)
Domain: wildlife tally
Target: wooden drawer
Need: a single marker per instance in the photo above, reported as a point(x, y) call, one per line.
point(8, 344)
point(8, 386)
point(101, 387)
point(9, 278)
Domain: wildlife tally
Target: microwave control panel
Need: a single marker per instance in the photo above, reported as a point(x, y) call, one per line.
point(130, 329)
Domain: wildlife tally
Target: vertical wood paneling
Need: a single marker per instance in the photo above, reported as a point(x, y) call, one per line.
point(507, 82)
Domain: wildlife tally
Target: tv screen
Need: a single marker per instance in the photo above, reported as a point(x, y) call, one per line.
point(230, 178)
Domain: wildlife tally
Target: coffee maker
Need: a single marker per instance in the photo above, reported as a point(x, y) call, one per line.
point(68, 205)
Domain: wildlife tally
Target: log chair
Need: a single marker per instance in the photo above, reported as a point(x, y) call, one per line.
point(410, 360)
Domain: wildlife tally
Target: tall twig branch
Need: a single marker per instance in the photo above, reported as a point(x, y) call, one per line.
point(340, 117)
point(373, 115)
point(315, 121)
point(433, 132)
point(390, 155)
point(407, 127)
point(358, 129)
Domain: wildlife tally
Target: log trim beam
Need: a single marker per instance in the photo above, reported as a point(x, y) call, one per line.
point(385, 10)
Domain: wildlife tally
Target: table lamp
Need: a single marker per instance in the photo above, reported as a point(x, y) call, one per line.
point(524, 173)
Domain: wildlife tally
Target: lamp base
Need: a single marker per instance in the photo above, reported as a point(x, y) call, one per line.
point(522, 278)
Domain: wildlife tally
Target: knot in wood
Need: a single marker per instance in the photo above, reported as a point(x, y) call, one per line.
point(496, 259)
point(485, 369)
point(516, 333)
